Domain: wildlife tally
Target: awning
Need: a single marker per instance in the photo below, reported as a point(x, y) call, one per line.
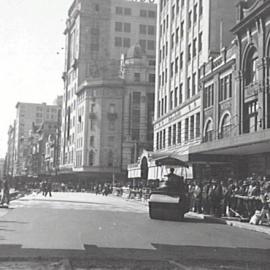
point(170, 160)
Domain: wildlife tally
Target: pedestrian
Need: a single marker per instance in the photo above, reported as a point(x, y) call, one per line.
point(265, 212)
point(5, 192)
point(197, 197)
point(48, 188)
point(205, 199)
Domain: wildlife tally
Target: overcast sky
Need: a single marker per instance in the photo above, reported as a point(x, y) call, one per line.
point(31, 55)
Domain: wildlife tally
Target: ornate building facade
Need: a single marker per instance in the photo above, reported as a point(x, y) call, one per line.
point(236, 99)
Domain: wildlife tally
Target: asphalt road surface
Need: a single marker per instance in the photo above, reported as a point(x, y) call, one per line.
point(87, 231)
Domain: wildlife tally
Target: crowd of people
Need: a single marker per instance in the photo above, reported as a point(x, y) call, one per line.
point(231, 197)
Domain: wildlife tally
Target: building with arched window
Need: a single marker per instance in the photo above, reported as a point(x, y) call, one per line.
point(238, 113)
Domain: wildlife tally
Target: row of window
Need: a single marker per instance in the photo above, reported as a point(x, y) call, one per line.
point(127, 11)
point(126, 42)
point(176, 95)
point(180, 132)
point(225, 91)
point(192, 16)
point(143, 29)
point(191, 49)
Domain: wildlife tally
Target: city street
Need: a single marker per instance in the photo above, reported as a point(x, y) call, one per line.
point(80, 230)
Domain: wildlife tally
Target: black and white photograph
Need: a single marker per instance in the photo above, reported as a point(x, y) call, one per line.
point(135, 135)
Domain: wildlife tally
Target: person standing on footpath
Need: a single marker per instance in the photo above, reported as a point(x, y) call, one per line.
point(5, 192)
point(48, 189)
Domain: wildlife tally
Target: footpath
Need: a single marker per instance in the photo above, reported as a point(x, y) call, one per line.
point(225, 220)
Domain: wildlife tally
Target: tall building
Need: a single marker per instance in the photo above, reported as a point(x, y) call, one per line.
point(188, 33)
point(236, 119)
point(97, 33)
point(27, 114)
point(9, 162)
point(2, 165)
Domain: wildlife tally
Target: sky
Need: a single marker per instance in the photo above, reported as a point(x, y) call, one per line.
point(31, 55)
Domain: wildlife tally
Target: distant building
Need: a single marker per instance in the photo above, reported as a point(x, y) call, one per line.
point(9, 162)
point(2, 164)
point(27, 115)
point(97, 34)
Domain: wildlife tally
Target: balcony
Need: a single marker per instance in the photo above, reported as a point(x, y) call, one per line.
point(251, 91)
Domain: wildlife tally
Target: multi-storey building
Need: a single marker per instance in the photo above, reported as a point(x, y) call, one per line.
point(2, 165)
point(27, 114)
point(9, 163)
point(97, 33)
point(189, 32)
point(236, 99)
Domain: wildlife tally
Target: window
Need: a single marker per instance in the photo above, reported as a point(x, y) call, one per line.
point(209, 96)
point(182, 30)
point(173, 11)
point(186, 129)
point(118, 42)
point(151, 14)
point(177, 35)
point(143, 13)
point(225, 130)
point(189, 19)
point(92, 140)
point(208, 136)
point(172, 66)
point(181, 93)
point(112, 108)
point(174, 135)
point(192, 123)
point(172, 41)
point(194, 84)
point(91, 158)
point(164, 138)
point(151, 45)
point(151, 30)
point(170, 136)
point(181, 60)
point(195, 13)
point(127, 11)
point(126, 42)
point(171, 100)
point(200, 42)
point(151, 78)
point(110, 158)
point(119, 10)
point(175, 97)
point(142, 29)
point(225, 88)
point(179, 132)
point(157, 140)
point(250, 117)
point(198, 125)
point(127, 27)
point(194, 47)
point(176, 65)
point(118, 27)
point(143, 43)
point(137, 77)
point(189, 52)
point(177, 6)
point(251, 67)
point(200, 8)
point(188, 87)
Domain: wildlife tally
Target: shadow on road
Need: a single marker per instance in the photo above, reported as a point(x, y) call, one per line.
point(162, 257)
